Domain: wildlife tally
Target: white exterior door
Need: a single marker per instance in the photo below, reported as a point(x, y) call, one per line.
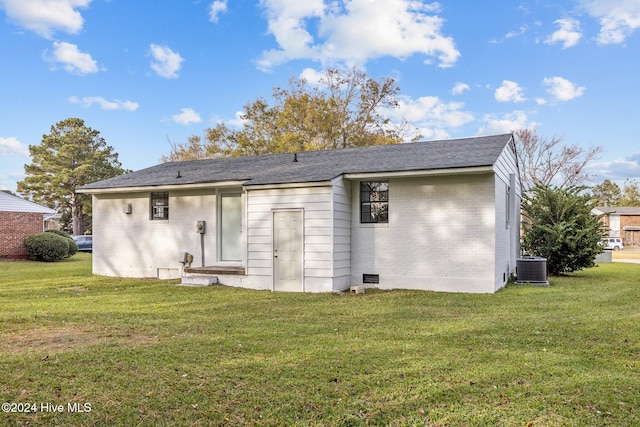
point(287, 251)
point(230, 227)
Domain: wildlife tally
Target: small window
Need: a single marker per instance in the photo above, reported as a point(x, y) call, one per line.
point(159, 206)
point(374, 202)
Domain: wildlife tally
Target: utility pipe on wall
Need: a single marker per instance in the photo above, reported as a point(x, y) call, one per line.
point(201, 228)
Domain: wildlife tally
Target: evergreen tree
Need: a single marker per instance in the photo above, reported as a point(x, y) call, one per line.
point(559, 226)
point(70, 156)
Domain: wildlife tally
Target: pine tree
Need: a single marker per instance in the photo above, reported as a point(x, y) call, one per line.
point(70, 156)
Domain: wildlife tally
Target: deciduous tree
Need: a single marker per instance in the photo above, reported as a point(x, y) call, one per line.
point(630, 194)
point(607, 193)
point(71, 155)
point(341, 110)
point(549, 162)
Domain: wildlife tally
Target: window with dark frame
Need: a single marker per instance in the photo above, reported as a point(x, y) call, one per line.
point(159, 206)
point(374, 202)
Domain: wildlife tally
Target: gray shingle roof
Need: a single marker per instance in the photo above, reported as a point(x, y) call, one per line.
point(622, 210)
point(316, 166)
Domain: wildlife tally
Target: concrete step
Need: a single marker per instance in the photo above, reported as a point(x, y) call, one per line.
point(199, 281)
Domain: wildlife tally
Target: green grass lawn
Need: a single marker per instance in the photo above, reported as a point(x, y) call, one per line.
point(149, 353)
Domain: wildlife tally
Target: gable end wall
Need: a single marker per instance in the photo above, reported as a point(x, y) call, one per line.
point(507, 235)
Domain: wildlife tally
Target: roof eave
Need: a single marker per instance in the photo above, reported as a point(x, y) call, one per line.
point(158, 188)
point(419, 173)
point(287, 185)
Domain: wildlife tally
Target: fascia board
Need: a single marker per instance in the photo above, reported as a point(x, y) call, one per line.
point(419, 173)
point(157, 188)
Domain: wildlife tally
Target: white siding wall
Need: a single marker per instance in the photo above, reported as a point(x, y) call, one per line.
point(507, 237)
point(503, 241)
point(341, 234)
point(440, 235)
point(316, 203)
point(132, 245)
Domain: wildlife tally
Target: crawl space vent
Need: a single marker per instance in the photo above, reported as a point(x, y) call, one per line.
point(371, 278)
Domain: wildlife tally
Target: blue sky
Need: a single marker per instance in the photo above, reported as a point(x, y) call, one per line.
point(146, 72)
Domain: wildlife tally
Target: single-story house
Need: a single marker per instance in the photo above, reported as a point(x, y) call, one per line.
point(439, 215)
point(19, 218)
point(621, 221)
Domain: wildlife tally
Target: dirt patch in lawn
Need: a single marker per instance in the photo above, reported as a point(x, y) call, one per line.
point(69, 337)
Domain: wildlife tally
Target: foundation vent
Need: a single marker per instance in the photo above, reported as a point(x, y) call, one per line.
point(371, 279)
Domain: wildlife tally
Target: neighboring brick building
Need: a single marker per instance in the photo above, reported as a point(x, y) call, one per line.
point(622, 221)
point(19, 218)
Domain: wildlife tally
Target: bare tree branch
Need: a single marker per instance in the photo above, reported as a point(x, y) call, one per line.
point(549, 162)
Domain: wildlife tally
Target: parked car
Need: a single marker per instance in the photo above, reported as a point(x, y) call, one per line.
point(612, 243)
point(85, 243)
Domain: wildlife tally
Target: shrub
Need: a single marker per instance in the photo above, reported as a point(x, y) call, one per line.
point(73, 248)
point(60, 233)
point(560, 227)
point(48, 247)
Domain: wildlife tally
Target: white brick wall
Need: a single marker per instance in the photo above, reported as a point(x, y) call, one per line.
point(132, 245)
point(440, 235)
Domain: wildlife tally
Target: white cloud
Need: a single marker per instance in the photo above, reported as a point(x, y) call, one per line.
point(237, 121)
point(523, 29)
point(562, 89)
point(459, 88)
point(187, 116)
point(73, 60)
point(618, 18)
point(166, 63)
point(353, 32)
point(495, 124)
point(43, 17)
point(618, 169)
point(431, 115)
point(509, 92)
point(568, 34)
point(12, 147)
point(311, 76)
point(104, 104)
point(216, 8)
